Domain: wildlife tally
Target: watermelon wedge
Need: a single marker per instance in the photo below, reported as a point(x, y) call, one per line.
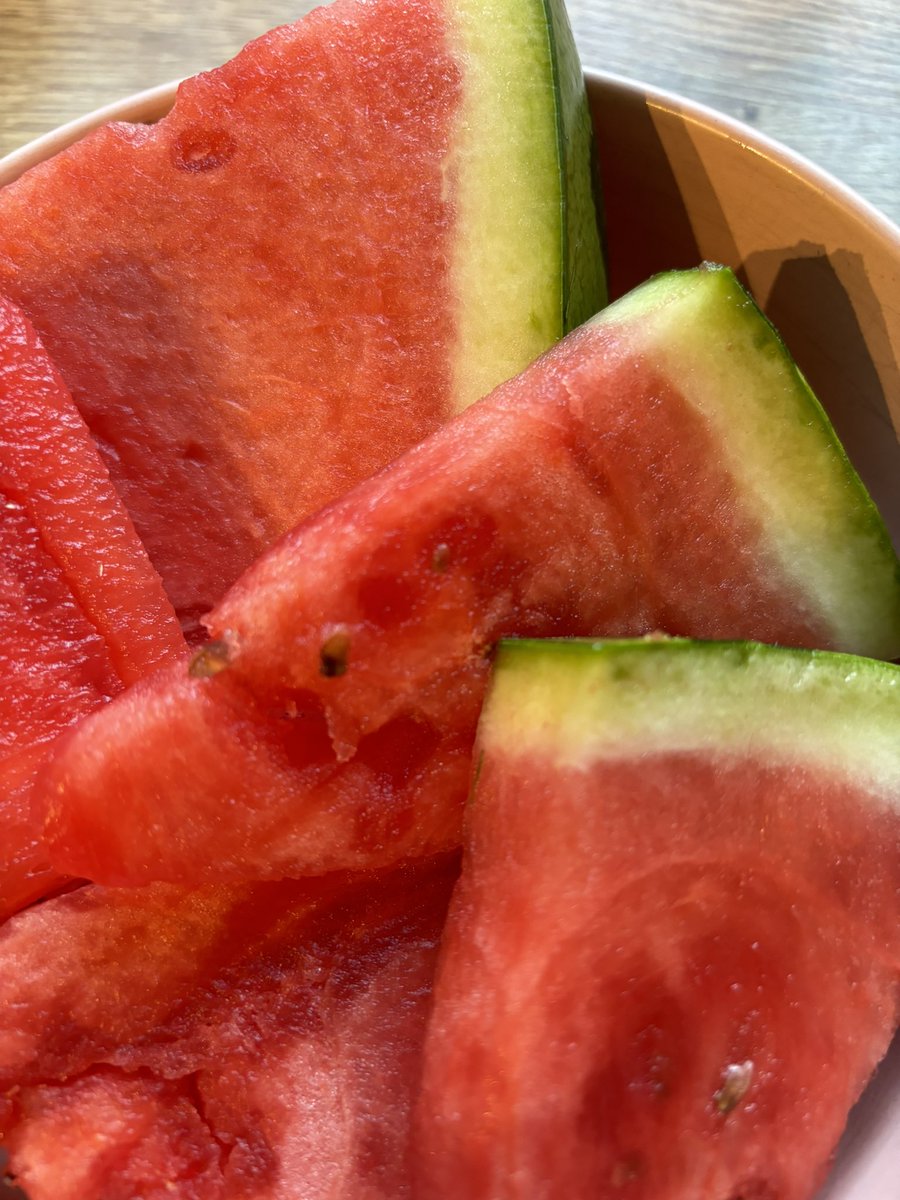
point(261, 1041)
point(673, 959)
point(82, 612)
point(665, 467)
point(363, 223)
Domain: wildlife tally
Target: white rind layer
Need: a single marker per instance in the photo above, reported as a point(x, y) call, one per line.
point(575, 703)
point(506, 179)
point(703, 331)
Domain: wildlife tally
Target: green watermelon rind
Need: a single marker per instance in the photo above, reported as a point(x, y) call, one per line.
point(584, 289)
point(577, 700)
point(703, 331)
point(526, 262)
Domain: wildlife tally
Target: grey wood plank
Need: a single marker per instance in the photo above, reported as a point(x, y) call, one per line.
point(822, 76)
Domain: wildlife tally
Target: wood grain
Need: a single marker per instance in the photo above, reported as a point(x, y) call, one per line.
point(822, 76)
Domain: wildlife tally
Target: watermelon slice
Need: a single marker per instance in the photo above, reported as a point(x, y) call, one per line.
point(82, 612)
point(673, 959)
point(665, 467)
point(260, 1041)
point(364, 222)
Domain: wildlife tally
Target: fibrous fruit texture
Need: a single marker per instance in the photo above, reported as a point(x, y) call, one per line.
point(664, 467)
point(673, 959)
point(364, 222)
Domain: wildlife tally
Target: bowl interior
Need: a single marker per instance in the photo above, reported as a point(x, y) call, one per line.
point(683, 184)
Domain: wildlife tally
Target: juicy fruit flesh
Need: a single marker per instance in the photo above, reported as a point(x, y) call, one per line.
point(593, 539)
point(256, 302)
point(697, 959)
point(26, 871)
point(55, 665)
point(231, 1041)
point(110, 1131)
point(62, 514)
point(369, 625)
point(54, 669)
point(177, 376)
point(82, 613)
point(154, 1101)
point(155, 1119)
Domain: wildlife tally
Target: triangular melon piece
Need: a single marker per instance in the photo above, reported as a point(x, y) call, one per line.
point(664, 467)
point(361, 224)
point(673, 959)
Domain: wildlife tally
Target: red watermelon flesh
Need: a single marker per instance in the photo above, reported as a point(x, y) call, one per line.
point(673, 959)
point(117, 1136)
point(261, 1041)
point(26, 871)
point(82, 612)
point(205, 233)
point(254, 301)
point(598, 493)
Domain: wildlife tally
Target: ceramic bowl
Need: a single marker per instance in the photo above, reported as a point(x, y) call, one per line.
point(683, 184)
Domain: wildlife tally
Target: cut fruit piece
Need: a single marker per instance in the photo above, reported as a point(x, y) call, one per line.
point(82, 612)
point(673, 959)
point(25, 871)
point(261, 1041)
point(57, 493)
point(615, 488)
point(115, 1135)
point(363, 223)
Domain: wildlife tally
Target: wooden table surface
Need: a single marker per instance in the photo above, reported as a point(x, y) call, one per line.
point(823, 76)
